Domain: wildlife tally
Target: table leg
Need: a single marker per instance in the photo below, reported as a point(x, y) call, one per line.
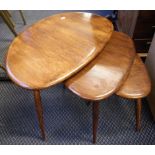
point(23, 18)
point(95, 109)
point(2, 67)
point(138, 114)
point(39, 111)
point(8, 13)
point(8, 18)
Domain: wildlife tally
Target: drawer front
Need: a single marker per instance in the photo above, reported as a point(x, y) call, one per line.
point(145, 25)
point(143, 45)
point(144, 30)
point(146, 15)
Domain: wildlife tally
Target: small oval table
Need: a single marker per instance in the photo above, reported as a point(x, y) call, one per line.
point(105, 74)
point(53, 49)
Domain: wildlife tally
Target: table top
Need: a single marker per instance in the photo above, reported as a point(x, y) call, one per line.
point(138, 84)
point(55, 48)
point(107, 72)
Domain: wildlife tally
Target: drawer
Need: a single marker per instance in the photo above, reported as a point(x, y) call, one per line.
point(142, 45)
point(144, 30)
point(146, 16)
point(145, 24)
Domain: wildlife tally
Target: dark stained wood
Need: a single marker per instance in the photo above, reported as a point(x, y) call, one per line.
point(95, 109)
point(138, 83)
point(139, 24)
point(138, 114)
point(39, 111)
point(55, 48)
point(145, 24)
point(142, 45)
point(2, 67)
point(104, 75)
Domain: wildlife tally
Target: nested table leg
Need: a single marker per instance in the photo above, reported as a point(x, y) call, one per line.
point(22, 15)
point(2, 67)
point(138, 113)
point(39, 111)
point(95, 109)
point(8, 13)
point(8, 18)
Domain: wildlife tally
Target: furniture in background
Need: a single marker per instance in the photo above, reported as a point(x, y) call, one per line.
point(6, 16)
point(150, 64)
point(22, 16)
point(140, 25)
point(2, 68)
point(105, 74)
point(56, 48)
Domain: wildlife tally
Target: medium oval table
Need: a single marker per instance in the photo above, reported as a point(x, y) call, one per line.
point(103, 76)
point(53, 49)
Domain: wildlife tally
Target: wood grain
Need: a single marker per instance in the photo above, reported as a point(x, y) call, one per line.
point(95, 118)
point(104, 75)
point(138, 83)
point(138, 113)
point(55, 48)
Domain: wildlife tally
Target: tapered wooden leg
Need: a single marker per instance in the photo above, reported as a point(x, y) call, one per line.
point(138, 114)
point(21, 14)
point(39, 111)
point(2, 68)
point(95, 109)
point(8, 18)
point(4, 17)
point(8, 13)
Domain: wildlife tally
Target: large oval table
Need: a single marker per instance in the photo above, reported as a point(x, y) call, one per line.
point(53, 49)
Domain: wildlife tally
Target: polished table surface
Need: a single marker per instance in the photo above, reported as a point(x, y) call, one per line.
point(79, 46)
point(138, 84)
point(55, 48)
point(107, 72)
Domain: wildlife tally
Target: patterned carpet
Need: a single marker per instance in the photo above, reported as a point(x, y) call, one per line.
point(68, 119)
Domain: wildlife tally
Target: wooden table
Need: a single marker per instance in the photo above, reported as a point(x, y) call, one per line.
point(117, 69)
point(53, 49)
point(103, 76)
